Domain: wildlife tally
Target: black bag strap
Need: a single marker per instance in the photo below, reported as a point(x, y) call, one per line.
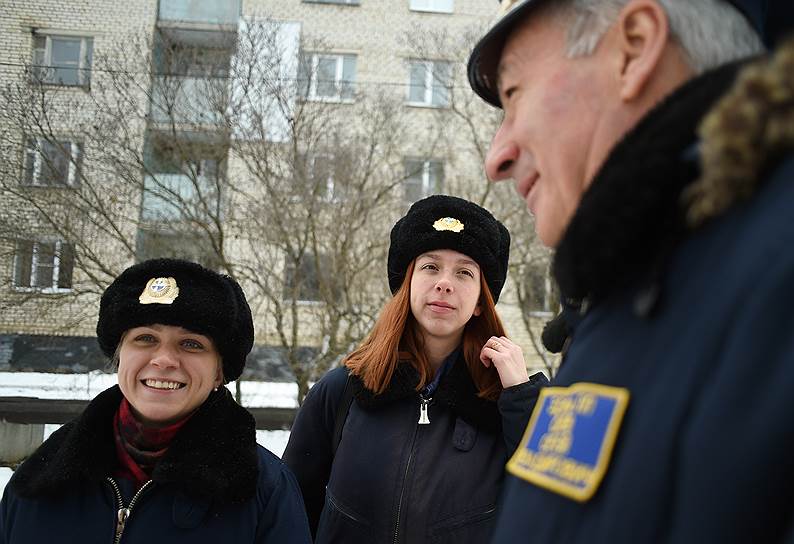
point(341, 413)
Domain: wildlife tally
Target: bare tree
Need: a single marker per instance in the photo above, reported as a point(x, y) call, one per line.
point(229, 148)
point(468, 125)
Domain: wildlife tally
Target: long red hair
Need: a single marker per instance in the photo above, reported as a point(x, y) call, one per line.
point(395, 336)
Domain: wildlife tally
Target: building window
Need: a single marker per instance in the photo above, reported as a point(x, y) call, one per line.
point(52, 163)
point(302, 280)
point(542, 298)
point(423, 178)
point(327, 77)
point(62, 60)
point(429, 83)
point(322, 178)
point(438, 6)
point(345, 2)
point(42, 265)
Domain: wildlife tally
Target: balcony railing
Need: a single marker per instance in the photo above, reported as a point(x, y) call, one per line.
point(175, 197)
point(183, 100)
point(225, 12)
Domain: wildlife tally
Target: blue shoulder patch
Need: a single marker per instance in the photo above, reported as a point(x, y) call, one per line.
point(569, 440)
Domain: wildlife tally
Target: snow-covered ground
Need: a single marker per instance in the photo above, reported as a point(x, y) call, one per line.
point(5, 475)
point(87, 386)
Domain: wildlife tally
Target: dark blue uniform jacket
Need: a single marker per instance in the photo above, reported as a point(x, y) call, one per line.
point(396, 481)
point(215, 484)
point(696, 323)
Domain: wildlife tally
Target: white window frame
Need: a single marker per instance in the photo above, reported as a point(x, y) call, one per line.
point(339, 58)
point(42, 59)
point(425, 177)
point(33, 152)
point(34, 264)
point(332, 191)
point(342, 2)
point(433, 6)
point(429, 87)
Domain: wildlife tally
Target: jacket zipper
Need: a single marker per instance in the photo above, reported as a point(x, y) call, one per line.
point(423, 420)
point(424, 417)
point(123, 514)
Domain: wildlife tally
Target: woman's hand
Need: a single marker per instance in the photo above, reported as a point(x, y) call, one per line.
point(508, 359)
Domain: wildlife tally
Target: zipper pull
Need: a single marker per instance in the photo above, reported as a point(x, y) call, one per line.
point(123, 514)
point(423, 416)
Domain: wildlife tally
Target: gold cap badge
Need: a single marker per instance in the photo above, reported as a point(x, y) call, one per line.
point(448, 223)
point(159, 291)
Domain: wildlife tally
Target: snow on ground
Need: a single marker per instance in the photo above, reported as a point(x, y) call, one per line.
point(87, 386)
point(5, 475)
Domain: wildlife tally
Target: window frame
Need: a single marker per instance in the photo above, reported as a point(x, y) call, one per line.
point(541, 308)
point(425, 178)
point(310, 94)
point(58, 255)
point(430, 68)
point(42, 59)
point(34, 152)
point(431, 6)
point(334, 2)
point(289, 278)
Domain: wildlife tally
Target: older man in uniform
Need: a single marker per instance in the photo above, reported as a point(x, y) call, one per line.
point(656, 152)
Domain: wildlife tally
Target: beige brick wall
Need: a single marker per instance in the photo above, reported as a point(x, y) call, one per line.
point(382, 33)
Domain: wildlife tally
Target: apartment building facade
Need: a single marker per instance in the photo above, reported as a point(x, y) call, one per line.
point(275, 140)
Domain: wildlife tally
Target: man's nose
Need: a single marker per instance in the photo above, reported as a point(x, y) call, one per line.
point(501, 157)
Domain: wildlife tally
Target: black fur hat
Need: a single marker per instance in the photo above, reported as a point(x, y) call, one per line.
point(448, 222)
point(184, 294)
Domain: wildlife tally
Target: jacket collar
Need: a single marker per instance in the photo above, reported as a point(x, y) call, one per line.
point(631, 216)
point(213, 456)
point(456, 391)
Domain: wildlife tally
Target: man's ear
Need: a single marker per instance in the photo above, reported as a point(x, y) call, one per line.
point(642, 35)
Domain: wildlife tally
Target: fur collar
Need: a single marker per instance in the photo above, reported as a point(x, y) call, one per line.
point(212, 456)
point(651, 191)
point(631, 211)
point(456, 391)
point(745, 136)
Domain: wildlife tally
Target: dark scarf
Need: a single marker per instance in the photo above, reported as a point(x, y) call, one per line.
point(456, 392)
point(139, 447)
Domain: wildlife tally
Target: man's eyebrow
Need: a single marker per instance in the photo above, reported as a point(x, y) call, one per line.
point(500, 72)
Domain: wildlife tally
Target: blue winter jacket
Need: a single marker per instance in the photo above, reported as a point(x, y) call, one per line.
point(215, 484)
point(690, 323)
point(394, 480)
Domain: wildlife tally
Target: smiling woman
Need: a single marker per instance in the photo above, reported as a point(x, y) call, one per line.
point(440, 394)
point(166, 372)
point(167, 454)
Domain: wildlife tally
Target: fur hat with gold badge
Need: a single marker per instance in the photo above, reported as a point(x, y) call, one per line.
point(448, 222)
point(183, 294)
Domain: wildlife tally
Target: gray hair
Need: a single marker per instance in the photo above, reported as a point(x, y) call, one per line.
point(710, 32)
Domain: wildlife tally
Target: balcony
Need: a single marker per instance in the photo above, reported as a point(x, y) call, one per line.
point(199, 12)
point(178, 197)
point(189, 102)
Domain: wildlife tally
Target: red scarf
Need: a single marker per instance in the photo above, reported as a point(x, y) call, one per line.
point(139, 447)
